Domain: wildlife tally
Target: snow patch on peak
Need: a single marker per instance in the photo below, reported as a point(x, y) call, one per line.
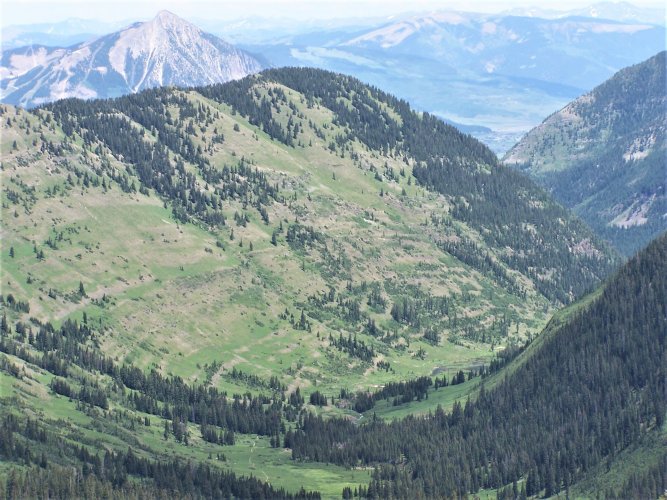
point(166, 50)
point(453, 18)
point(387, 36)
point(19, 64)
point(394, 34)
point(151, 39)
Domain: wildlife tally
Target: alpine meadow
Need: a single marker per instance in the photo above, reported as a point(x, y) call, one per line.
point(293, 284)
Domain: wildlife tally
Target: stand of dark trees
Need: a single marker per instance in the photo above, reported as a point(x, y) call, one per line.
point(111, 474)
point(55, 350)
point(108, 124)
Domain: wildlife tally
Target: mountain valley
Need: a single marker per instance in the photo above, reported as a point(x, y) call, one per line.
point(225, 279)
point(260, 237)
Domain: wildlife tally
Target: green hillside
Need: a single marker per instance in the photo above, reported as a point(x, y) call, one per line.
point(603, 155)
point(188, 273)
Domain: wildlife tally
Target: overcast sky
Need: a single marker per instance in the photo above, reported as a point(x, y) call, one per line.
point(30, 11)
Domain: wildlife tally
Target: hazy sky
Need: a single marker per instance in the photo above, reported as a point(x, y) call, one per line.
point(30, 11)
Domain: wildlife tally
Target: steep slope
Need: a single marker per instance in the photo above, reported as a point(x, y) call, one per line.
point(292, 235)
point(164, 51)
point(594, 389)
point(604, 154)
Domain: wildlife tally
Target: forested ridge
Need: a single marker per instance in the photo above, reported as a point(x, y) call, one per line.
point(509, 211)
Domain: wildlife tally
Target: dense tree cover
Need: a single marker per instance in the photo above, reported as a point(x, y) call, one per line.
point(70, 352)
point(649, 483)
point(91, 394)
point(59, 350)
point(248, 102)
point(273, 383)
point(469, 252)
point(401, 392)
point(591, 388)
point(12, 303)
point(643, 183)
point(300, 237)
point(352, 346)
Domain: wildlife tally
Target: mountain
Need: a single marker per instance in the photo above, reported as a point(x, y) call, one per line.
point(603, 155)
point(496, 75)
point(523, 48)
point(246, 30)
point(624, 12)
point(24, 39)
point(265, 30)
point(502, 72)
point(189, 272)
point(164, 51)
point(202, 284)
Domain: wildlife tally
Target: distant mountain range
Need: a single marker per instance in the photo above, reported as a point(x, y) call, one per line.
point(604, 155)
point(504, 72)
point(314, 244)
point(615, 11)
point(492, 75)
point(164, 51)
point(263, 29)
point(59, 34)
